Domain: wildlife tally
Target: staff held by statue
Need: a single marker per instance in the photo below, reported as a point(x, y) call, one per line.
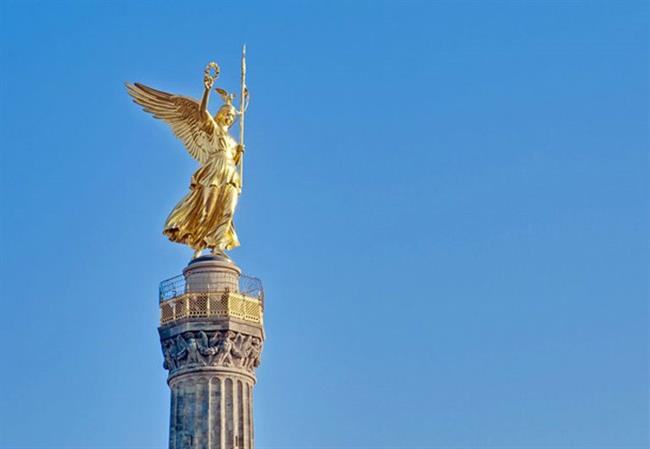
point(242, 110)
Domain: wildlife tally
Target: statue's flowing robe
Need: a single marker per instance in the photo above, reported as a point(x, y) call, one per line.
point(204, 217)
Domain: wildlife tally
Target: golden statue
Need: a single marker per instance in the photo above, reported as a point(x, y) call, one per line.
point(204, 217)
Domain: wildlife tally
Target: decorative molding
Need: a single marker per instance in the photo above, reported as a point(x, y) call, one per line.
point(212, 304)
point(224, 348)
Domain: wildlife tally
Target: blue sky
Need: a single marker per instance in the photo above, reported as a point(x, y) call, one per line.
point(447, 203)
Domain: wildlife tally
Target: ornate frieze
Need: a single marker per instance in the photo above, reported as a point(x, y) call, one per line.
point(224, 348)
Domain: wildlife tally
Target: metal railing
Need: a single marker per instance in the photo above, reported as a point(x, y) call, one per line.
point(174, 287)
point(210, 304)
point(178, 301)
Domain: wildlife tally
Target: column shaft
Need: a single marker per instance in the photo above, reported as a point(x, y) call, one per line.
point(211, 413)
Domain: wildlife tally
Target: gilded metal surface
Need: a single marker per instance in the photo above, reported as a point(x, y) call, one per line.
point(203, 219)
point(211, 304)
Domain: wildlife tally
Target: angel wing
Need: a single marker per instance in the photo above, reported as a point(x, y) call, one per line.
point(182, 114)
point(205, 342)
point(181, 346)
point(214, 340)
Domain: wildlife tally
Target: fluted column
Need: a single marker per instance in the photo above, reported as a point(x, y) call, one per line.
point(211, 412)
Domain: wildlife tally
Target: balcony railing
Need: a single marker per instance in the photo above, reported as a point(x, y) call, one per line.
point(177, 286)
point(178, 301)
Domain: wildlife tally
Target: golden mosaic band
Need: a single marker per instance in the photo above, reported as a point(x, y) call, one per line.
point(212, 304)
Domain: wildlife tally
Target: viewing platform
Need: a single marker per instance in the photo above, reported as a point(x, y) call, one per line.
point(226, 295)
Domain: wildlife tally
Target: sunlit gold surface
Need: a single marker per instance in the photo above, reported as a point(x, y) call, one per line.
point(213, 304)
point(204, 217)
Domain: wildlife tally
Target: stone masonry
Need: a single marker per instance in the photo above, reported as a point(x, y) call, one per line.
point(211, 362)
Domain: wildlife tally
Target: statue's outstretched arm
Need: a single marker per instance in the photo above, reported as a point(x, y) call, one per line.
point(207, 83)
point(210, 74)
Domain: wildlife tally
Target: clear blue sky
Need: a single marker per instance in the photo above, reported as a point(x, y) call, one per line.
point(448, 203)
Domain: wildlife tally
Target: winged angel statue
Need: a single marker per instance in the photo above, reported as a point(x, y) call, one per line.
point(203, 219)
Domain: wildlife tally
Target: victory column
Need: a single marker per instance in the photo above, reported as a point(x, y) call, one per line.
point(211, 317)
